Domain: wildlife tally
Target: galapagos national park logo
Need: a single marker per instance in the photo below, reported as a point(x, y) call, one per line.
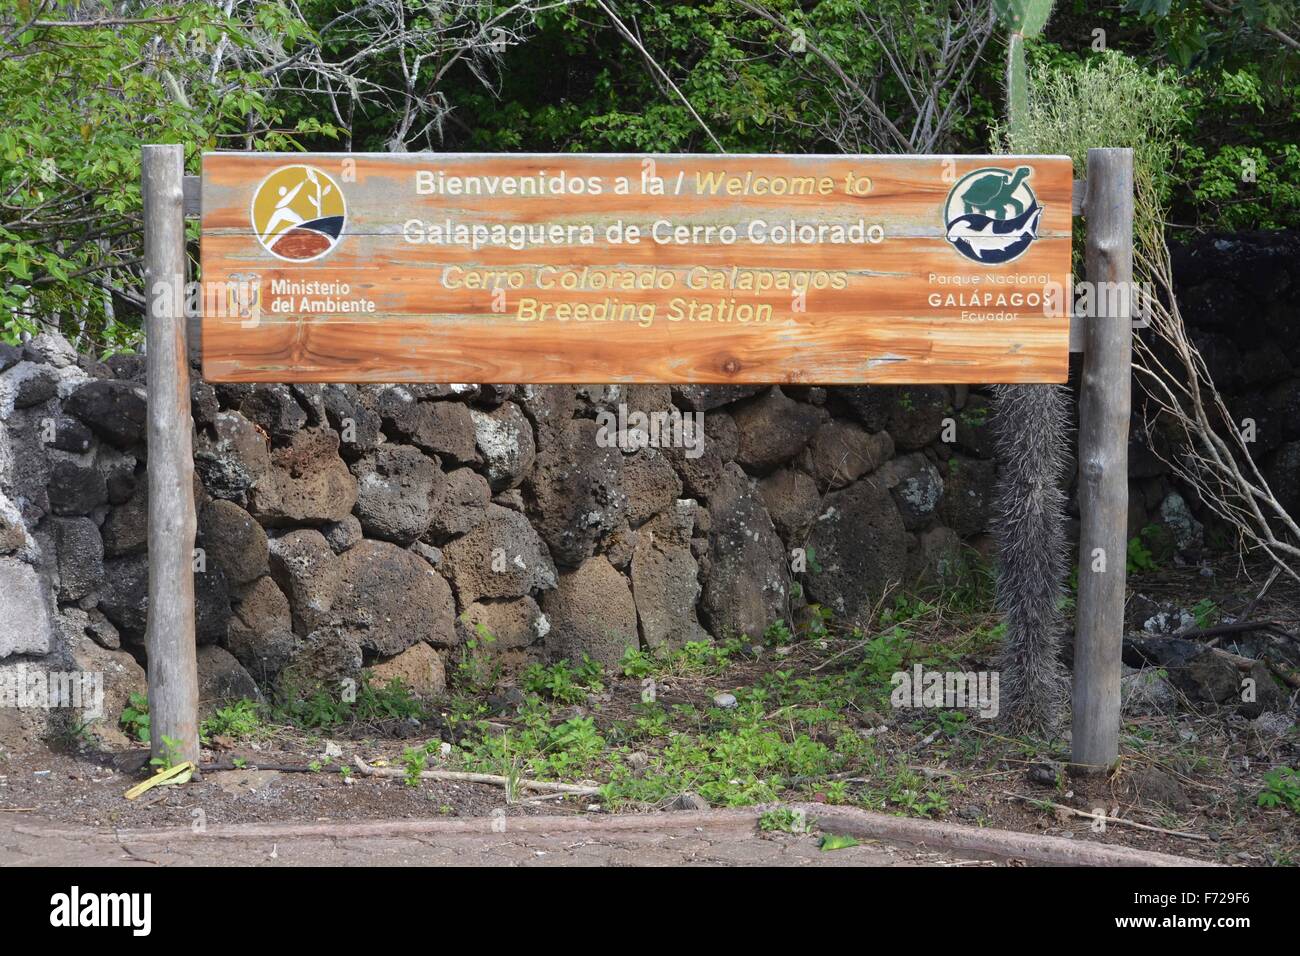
point(298, 213)
point(992, 214)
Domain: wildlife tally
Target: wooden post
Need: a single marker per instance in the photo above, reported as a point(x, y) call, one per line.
point(169, 636)
point(1104, 406)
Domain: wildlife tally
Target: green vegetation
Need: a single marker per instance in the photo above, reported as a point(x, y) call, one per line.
point(783, 820)
point(1221, 81)
point(240, 719)
point(78, 103)
point(171, 754)
point(1236, 67)
point(1281, 789)
point(413, 761)
point(1151, 550)
point(793, 729)
point(135, 717)
point(563, 683)
point(477, 669)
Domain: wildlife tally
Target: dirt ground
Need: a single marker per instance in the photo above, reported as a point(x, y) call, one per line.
point(1187, 782)
point(31, 842)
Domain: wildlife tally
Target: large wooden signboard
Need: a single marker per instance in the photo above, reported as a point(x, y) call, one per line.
point(627, 268)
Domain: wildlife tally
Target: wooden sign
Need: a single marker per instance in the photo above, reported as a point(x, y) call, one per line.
point(453, 267)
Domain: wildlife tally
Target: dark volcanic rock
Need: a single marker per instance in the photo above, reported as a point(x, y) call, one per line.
point(387, 599)
point(114, 410)
point(791, 499)
point(307, 484)
point(459, 504)
point(591, 612)
point(75, 488)
point(396, 485)
point(503, 557)
point(504, 439)
point(575, 493)
point(842, 452)
point(275, 410)
point(969, 488)
point(749, 578)
point(666, 587)
point(773, 429)
point(861, 547)
point(233, 458)
point(235, 543)
point(81, 557)
point(650, 483)
point(306, 570)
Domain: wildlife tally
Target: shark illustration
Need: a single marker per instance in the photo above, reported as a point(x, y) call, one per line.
point(985, 239)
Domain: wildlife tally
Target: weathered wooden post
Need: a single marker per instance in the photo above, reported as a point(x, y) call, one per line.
point(169, 636)
point(1104, 407)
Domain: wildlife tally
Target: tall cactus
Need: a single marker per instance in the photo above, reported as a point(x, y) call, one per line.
point(1024, 20)
point(1031, 423)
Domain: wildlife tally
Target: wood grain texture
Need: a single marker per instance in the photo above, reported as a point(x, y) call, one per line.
point(895, 310)
point(1104, 409)
point(169, 633)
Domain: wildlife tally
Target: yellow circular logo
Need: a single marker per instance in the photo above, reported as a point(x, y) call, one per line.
point(298, 213)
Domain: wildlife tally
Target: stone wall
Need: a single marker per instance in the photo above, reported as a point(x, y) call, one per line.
point(385, 527)
point(388, 527)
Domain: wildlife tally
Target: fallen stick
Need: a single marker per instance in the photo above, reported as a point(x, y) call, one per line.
point(1062, 808)
point(1250, 608)
point(461, 776)
point(1238, 627)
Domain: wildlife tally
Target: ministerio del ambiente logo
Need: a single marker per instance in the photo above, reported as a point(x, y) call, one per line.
point(298, 213)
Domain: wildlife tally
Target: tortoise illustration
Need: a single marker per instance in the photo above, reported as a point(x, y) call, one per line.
point(992, 193)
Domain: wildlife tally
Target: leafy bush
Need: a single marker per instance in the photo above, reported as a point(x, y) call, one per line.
point(1281, 789)
point(79, 101)
point(240, 719)
point(135, 717)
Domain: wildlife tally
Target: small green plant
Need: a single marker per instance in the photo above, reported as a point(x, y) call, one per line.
point(819, 621)
point(413, 761)
point(951, 721)
point(637, 663)
point(240, 719)
point(778, 632)
point(170, 756)
point(1281, 789)
point(1152, 548)
point(239, 763)
point(837, 792)
point(782, 820)
point(345, 771)
point(135, 717)
point(477, 671)
point(702, 658)
point(1206, 613)
point(323, 709)
point(1139, 557)
point(563, 682)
